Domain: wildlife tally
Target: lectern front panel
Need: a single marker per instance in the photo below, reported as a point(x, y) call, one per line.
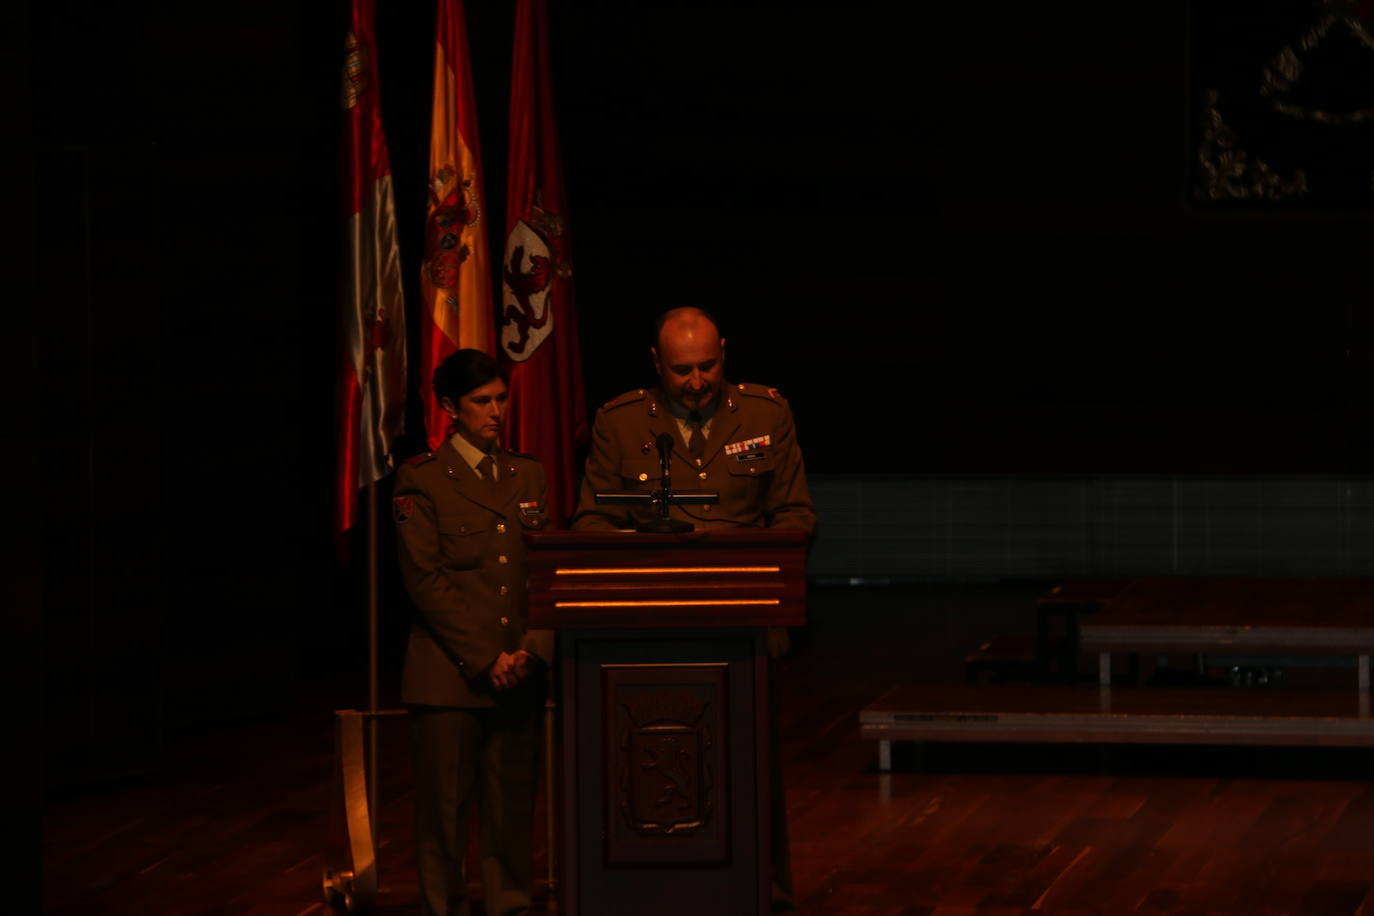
point(663, 781)
point(664, 674)
point(667, 750)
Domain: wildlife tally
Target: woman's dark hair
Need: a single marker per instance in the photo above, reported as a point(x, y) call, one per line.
point(463, 371)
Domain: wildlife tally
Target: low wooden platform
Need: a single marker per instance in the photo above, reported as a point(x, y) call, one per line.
point(1143, 715)
point(1293, 615)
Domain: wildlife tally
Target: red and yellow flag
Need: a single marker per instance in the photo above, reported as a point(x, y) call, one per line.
point(455, 283)
point(373, 365)
point(539, 343)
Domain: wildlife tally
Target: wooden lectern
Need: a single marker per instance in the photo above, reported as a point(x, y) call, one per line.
point(663, 667)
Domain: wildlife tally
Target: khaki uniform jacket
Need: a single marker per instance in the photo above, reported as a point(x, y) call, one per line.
point(751, 458)
point(462, 556)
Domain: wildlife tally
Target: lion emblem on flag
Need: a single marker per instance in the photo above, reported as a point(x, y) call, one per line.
point(526, 278)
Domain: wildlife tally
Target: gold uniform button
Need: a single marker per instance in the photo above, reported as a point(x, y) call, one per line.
point(502, 559)
point(702, 475)
point(504, 590)
point(753, 470)
point(643, 476)
point(706, 508)
point(501, 529)
point(505, 621)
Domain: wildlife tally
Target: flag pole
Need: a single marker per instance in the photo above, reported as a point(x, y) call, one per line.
point(372, 674)
point(372, 387)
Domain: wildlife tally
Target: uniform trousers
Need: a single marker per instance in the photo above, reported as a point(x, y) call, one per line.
point(483, 755)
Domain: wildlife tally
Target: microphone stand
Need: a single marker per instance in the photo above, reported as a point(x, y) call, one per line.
point(660, 498)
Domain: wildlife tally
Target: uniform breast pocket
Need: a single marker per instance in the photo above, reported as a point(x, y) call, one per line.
point(750, 464)
point(461, 545)
point(531, 514)
point(640, 472)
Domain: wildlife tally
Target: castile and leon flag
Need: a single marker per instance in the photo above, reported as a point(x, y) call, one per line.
point(372, 368)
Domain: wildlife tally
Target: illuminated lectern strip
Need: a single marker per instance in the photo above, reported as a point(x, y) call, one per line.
point(662, 570)
point(684, 603)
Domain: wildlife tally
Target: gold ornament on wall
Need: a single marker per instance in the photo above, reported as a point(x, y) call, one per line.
point(1287, 67)
point(1228, 173)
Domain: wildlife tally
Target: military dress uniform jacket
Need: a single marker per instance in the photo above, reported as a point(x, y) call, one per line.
point(751, 458)
point(462, 556)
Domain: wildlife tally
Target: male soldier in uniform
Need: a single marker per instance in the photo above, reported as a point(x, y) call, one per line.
point(736, 439)
point(473, 676)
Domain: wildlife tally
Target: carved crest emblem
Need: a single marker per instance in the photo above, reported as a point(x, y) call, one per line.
point(667, 783)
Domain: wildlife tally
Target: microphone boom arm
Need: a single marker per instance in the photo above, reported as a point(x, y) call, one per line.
point(660, 498)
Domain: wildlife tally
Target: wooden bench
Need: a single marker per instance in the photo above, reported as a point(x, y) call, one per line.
point(1126, 715)
point(1236, 615)
point(1195, 615)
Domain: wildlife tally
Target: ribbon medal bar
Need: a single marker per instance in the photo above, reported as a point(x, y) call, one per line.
point(748, 445)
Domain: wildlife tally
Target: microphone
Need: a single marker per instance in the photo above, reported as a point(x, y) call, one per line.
point(665, 454)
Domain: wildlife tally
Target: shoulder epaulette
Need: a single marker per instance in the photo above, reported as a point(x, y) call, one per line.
point(629, 397)
point(420, 458)
point(515, 454)
point(759, 391)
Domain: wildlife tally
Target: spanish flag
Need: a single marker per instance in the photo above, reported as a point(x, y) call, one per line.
point(372, 385)
point(455, 283)
point(539, 341)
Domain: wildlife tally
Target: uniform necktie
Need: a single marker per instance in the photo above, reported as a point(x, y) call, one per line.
point(696, 443)
point(486, 468)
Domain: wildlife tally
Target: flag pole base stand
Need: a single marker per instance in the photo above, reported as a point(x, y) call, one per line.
point(338, 889)
point(353, 884)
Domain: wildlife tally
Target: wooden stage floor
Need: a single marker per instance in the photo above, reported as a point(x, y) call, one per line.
point(236, 821)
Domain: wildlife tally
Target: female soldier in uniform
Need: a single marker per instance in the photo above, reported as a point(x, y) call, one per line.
point(474, 676)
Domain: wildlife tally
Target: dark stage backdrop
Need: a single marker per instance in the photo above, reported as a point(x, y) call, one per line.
point(974, 227)
point(959, 240)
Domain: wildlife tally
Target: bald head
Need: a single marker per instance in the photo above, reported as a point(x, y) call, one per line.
point(689, 355)
point(689, 321)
